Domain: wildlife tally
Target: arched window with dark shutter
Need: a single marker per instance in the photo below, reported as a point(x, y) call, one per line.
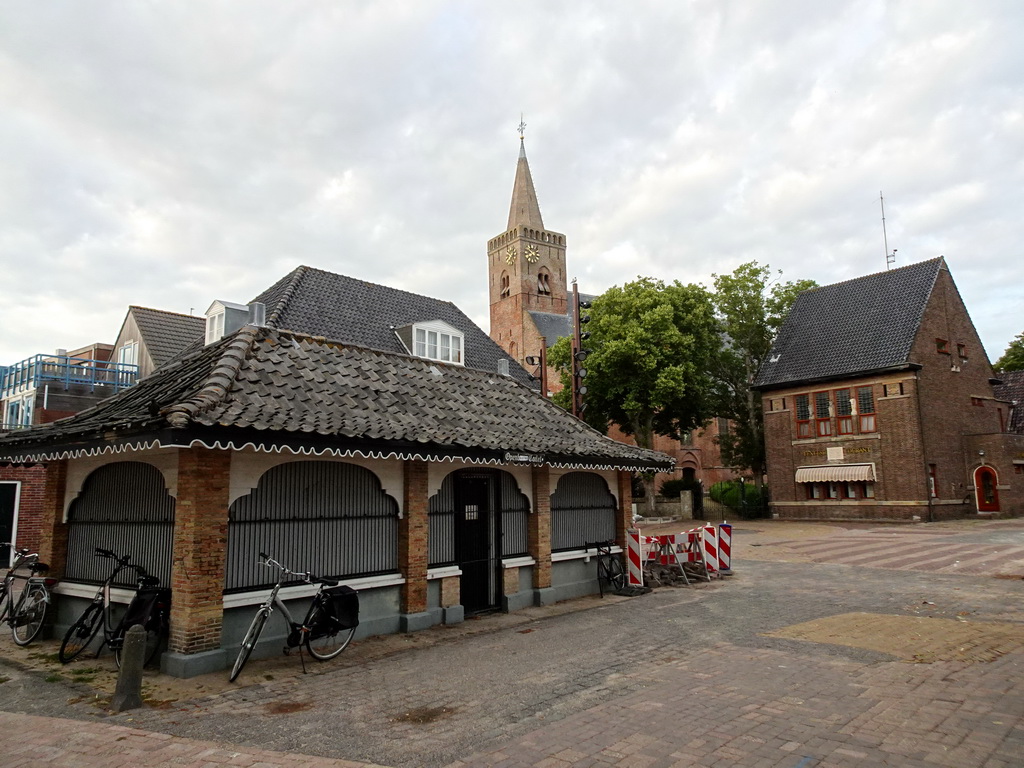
point(582, 510)
point(331, 518)
point(123, 507)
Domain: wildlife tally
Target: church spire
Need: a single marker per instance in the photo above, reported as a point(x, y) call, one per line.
point(525, 211)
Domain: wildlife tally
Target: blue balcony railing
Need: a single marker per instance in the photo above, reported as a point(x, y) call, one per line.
point(65, 371)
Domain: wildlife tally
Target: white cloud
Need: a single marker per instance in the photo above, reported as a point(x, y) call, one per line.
point(170, 153)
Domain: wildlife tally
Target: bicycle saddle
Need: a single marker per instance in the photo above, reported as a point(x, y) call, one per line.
point(148, 581)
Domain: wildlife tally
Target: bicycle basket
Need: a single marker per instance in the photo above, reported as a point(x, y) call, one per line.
point(339, 610)
point(145, 609)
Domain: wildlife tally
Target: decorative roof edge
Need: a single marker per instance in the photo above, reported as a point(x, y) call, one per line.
point(338, 453)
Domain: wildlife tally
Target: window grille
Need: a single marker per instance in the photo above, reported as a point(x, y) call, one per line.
point(582, 510)
point(123, 507)
point(331, 518)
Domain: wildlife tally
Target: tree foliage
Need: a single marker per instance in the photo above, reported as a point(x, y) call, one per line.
point(751, 307)
point(1013, 357)
point(650, 367)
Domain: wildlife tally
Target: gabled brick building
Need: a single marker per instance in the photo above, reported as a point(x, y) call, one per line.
point(879, 403)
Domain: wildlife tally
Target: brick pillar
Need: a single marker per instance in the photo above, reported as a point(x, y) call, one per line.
point(53, 533)
point(539, 528)
point(413, 551)
point(200, 550)
point(624, 517)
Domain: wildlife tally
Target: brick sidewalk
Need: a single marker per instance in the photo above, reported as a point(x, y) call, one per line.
point(731, 706)
point(28, 741)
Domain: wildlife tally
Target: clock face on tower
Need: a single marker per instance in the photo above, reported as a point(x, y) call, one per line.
point(532, 254)
point(510, 254)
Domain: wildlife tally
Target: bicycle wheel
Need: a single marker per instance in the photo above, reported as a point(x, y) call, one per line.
point(5, 601)
point(328, 646)
point(28, 617)
point(616, 576)
point(81, 633)
point(252, 636)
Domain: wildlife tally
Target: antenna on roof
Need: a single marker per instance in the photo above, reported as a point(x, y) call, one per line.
point(890, 258)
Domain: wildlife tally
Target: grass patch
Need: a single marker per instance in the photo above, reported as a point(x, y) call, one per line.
point(3, 679)
point(53, 677)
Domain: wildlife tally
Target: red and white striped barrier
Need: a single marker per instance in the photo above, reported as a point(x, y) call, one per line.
point(709, 543)
point(634, 566)
point(725, 548)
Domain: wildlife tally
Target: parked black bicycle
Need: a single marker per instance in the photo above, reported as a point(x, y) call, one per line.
point(25, 611)
point(609, 567)
point(326, 630)
point(150, 607)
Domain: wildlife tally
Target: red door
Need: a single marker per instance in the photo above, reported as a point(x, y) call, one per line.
point(985, 488)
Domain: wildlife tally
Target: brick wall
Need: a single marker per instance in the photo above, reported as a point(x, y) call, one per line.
point(539, 528)
point(53, 531)
point(30, 503)
point(200, 549)
point(413, 529)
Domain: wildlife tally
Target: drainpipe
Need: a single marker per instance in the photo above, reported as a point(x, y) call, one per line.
point(920, 432)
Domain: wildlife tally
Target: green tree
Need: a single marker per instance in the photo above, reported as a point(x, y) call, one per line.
point(1013, 357)
point(751, 306)
point(649, 370)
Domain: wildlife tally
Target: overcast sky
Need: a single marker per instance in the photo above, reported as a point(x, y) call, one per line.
point(171, 153)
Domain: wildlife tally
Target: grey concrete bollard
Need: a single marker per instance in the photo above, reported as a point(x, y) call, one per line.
point(128, 692)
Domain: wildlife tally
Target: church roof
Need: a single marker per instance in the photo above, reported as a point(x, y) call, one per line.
point(525, 210)
point(553, 326)
point(277, 389)
point(851, 328)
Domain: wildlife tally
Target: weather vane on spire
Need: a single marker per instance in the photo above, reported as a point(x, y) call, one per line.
point(521, 127)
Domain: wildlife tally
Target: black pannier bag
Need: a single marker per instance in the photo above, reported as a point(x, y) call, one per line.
point(143, 609)
point(340, 611)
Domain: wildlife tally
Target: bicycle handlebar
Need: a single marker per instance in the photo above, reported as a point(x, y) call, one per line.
point(121, 561)
point(307, 576)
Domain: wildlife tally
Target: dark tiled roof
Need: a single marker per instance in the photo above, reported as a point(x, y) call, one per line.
point(861, 325)
point(553, 327)
point(1012, 389)
point(284, 385)
point(319, 303)
point(167, 334)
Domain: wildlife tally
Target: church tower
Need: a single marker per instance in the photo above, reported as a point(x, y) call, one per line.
point(526, 273)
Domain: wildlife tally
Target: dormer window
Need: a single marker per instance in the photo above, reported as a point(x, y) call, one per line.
point(433, 340)
point(225, 317)
point(214, 327)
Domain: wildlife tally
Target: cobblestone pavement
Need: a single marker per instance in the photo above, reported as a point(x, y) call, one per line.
point(789, 664)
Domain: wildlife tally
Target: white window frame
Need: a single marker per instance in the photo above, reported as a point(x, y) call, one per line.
point(128, 353)
point(439, 341)
point(215, 327)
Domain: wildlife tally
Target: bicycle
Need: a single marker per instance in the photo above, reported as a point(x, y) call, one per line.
point(150, 607)
point(27, 615)
point(326, 630)
point(609, 567)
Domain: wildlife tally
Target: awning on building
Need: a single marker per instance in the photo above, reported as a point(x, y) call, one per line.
point(836, 473)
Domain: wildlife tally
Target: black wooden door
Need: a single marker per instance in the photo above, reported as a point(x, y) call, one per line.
point(475, 536)
point(8, 491)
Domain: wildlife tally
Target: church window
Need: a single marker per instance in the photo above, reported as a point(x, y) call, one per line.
point(544, 284)
point(504, 285)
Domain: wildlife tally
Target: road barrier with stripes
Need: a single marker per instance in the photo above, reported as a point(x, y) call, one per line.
point(706, 550)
